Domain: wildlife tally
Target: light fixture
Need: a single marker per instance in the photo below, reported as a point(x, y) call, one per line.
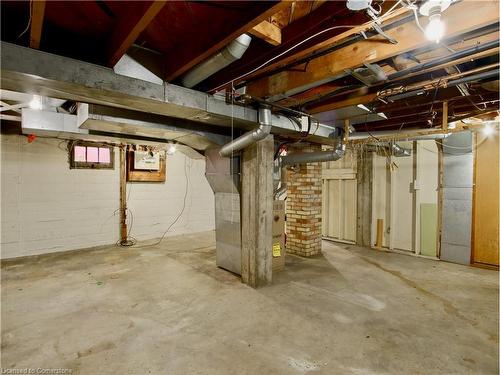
point(36, 102)
point(488, 129)
point(364, 107)
point(435, 28)
point(171, 149)
point(382, 114)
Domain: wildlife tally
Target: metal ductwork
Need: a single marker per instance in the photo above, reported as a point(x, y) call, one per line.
point(252, 136)
point(232, 52)
point(314, 157)
point(399, 151)
point(283, 185)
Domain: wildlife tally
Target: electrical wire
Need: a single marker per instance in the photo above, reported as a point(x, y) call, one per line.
point(299, 44)
point(180, 212)
point(29, 20)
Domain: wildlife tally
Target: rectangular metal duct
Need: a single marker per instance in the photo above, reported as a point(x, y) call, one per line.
point(223, 176)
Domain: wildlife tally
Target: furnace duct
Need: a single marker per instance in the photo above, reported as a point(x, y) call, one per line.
point(232, 52)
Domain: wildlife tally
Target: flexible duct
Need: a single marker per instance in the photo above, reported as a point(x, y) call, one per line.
point(232, 52)
point(314, 157)
point(252, 136)
point(399, 151)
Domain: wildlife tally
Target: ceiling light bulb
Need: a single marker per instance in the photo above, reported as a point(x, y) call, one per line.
point(36, 102)
point(364, 107)
point(488, 130)
point(171, 149)
point(435, 28)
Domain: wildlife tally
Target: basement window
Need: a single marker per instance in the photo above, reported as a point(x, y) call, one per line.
point(88, 155)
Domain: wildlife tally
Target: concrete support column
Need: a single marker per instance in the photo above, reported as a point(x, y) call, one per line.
point(303, 206)
point(257, 213)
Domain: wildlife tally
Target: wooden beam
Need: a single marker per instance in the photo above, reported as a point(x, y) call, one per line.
point(362, 99)
point(342, 23)
point(37, 15)
point(129, 28)
point(187, 59)
point(257, 213)
point(465, 16)
point(267, 32)
point(444, 121)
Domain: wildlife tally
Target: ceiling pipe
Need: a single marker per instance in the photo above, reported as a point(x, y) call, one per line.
point(314, 157)
point(230, 53)
point(399, 151)
point(252, 136)
point(443, 60)
point(451, 83)
point(406, 136)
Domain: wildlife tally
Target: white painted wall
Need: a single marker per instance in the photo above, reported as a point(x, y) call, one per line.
point(47, 207)
point(394, 198)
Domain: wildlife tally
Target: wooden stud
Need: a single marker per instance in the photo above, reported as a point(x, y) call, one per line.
point(37, 16)
point(257, 213)
point(380, 233)
point(128, 29)
point(267, 32)
point(439, 230)
point(444, 123)
point(123, 195)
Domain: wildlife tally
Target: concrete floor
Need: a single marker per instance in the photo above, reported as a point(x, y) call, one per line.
point(169, 310)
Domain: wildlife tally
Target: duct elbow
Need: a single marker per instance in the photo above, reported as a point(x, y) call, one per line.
point(252, 136)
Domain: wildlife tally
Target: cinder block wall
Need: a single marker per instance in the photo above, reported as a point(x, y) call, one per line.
point(303, 207)
point(47, 207)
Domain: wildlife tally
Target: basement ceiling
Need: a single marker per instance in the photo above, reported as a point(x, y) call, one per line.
point(317, 64)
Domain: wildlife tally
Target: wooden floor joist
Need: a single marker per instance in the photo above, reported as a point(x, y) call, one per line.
point(466, 16)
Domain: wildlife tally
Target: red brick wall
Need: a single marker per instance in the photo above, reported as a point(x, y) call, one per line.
point(303, 206)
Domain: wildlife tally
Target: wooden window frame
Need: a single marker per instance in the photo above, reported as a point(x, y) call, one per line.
point(90, 165)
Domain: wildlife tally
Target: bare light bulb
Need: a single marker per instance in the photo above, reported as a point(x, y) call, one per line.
point(171, 149)
point(36, 102)
point(435, 28)
point(488, 130)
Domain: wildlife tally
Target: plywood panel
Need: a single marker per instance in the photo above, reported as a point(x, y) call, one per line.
point(379, 194)
point(340, 198)
point(402, 177)
point(486, 200)
point(428, 229)
point(350, 202)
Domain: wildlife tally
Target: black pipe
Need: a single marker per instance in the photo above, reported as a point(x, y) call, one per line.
point(445, 59)
point(474, 77)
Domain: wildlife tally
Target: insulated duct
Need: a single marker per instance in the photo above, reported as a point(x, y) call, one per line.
point(232, 52)
point(252, 136)
point(399, 151)
point(314, 157)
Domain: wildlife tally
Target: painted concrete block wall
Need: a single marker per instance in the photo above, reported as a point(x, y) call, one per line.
point(47, 207)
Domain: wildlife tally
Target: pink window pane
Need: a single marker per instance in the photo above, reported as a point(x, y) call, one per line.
point(92, 154)
point(104, 155)
point(79, 153)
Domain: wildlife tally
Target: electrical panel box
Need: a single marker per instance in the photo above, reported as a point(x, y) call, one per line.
point(146, 160)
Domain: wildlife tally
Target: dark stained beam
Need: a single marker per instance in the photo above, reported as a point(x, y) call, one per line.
point(466, 16)
point(321, 18)
point(128, 29)
point(197, 48)
point(37, 15)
